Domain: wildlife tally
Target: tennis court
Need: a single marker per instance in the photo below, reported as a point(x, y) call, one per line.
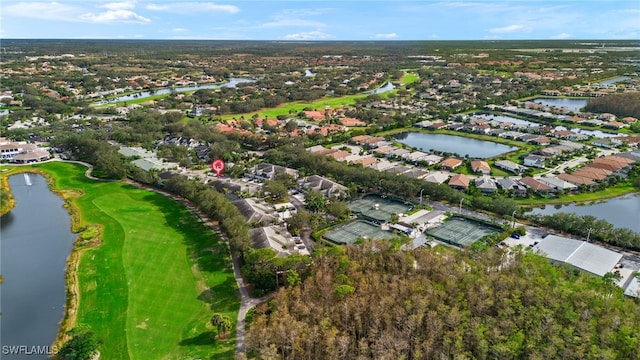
point(461, 232)
point(377, 208)
point(349, 232)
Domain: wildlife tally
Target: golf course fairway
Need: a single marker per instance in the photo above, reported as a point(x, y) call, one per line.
point(150, 287)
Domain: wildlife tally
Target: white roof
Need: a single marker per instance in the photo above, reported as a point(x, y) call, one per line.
point(581, 254)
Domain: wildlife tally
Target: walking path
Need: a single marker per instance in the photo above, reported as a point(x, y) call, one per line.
point(246, 301)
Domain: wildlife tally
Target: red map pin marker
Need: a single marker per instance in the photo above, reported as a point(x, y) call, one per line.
point(217, 166)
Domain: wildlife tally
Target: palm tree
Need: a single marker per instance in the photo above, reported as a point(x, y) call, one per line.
point(216, 321)
point(225, 326)
point(221, 323)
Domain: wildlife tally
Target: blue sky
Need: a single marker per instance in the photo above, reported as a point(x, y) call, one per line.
point(320, 20)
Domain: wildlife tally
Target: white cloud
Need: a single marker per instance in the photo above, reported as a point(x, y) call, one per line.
point(311, 35)
point(509, 29)
point(294, 22)
point(180, 29)
point(42, 10)
point(561, 36)
point(190, 7)
point(387, 36)
point(116, 12)
point(115, 16)
point(124, 5)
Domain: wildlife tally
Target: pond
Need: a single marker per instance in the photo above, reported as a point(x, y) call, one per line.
point(504, 118)
point(622, 212)
point(387, 87)
point(453, 144)
point(571, 104)
point(144, 94)
point(614, 80)
point(35, 241)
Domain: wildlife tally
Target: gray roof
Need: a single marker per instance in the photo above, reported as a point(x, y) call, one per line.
point(581, 254)
point(255, 212)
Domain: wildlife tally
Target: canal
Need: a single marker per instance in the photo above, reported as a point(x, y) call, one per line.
point(35, 241)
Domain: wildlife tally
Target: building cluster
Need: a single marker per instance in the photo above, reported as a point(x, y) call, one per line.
point(21, 152)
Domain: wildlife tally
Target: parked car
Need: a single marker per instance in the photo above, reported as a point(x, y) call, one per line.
point(515, 236)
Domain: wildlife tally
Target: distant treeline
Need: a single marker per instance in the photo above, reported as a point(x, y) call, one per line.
point(621, 105)
point(153, 48)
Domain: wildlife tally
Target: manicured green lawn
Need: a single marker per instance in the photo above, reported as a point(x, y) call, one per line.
point(150, 288)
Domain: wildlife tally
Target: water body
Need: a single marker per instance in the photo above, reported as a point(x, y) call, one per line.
point(505, 119)
point(35, 241)
point(622, 212)
point(144, 94)
point(595, 133)
point(387, 87)
point(614, 80)
point(453, 144)
point(571, 104)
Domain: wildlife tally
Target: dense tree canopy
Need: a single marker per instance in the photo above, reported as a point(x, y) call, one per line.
point(379, 303)
point(621, 105)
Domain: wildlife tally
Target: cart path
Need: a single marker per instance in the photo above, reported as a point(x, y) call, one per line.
point(246, 301)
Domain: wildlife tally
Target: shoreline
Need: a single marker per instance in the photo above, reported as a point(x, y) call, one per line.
point(72, 286)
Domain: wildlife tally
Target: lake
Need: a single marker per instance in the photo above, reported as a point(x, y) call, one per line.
point(453, 144)
point(622, 212)
point(144, 94)
point(614, 80)
point(571, 104)
point(387, 87)
point(504, 118)
point(35, 241)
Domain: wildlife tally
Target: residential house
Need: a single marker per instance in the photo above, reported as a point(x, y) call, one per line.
point(459, 182)
point(480, 166)
point(340, 155)
point(450, 163)
point(534, 161)
point(510, 166)
point(382, 165)
point(592, 173)
point(265, 171)
point(536, 185)
point(558, 183)
point(576, 179)
point(431, 159)
point(511, 185)
point(486, 185)
point(324, 186)
point(437, 177)
point(399, 169)
point(254, 211)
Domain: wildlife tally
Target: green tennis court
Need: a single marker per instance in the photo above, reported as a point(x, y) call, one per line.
point(377, 208)
point(349, 232)
point(461, 232)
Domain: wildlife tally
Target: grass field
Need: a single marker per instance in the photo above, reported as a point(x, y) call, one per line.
point(150, 288)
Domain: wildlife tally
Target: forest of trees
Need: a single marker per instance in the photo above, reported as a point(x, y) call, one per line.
point(621, 105)
point(376, 302)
